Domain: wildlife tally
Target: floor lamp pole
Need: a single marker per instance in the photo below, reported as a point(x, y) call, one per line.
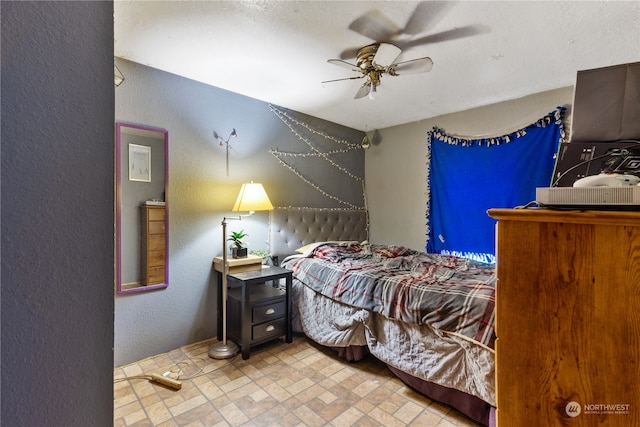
point(224, 349)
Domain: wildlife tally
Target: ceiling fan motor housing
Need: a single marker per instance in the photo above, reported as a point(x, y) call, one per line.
point(365, 61)
point(365, 56)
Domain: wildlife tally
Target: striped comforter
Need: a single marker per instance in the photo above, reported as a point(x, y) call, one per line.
point(451, 294)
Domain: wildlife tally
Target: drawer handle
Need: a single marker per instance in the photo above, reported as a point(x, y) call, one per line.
point(270, 328)
point(269, 311)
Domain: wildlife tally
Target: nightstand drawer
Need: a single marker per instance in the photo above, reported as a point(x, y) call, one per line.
point(264, 313)
point(275, 328)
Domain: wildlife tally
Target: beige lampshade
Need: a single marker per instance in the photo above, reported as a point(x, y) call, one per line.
point(252, 197)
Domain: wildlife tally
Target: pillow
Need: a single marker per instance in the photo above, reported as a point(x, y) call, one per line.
point(308, 249)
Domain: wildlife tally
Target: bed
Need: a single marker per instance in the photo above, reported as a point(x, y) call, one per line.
point(429, 317)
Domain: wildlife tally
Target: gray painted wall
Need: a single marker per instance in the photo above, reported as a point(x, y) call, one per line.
point(57, 213)
point(200, 193)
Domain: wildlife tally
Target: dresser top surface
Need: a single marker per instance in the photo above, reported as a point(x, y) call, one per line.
point(567, 216)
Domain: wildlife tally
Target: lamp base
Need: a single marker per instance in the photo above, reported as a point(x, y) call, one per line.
point(223, 350)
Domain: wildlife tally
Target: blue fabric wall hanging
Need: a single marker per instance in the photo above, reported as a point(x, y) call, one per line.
point(469, 176)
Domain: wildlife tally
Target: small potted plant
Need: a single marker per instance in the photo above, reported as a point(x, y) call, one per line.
point(239, 249)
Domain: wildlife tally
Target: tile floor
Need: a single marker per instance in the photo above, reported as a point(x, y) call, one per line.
point(297, 384)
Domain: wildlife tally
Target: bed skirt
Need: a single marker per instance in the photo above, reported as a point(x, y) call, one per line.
point(474, 408)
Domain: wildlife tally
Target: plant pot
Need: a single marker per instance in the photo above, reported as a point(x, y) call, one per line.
point(239, 253)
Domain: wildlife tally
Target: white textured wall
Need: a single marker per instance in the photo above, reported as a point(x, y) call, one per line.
point(57, 213)
point(396, 173)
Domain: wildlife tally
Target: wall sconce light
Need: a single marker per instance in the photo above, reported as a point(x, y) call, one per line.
point(252, 197)
point(224, 143)
point(369, 141)
point(118, 78)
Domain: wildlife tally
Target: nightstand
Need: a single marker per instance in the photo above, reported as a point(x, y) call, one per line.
point(257, 312)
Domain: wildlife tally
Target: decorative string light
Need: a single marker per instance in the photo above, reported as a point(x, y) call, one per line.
point(316, 187)
point(283, 114)
point(289, 122)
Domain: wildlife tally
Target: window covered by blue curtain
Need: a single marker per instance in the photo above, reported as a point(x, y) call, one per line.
point(469, 176)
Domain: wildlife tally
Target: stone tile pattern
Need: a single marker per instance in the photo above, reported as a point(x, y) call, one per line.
point(297, 384)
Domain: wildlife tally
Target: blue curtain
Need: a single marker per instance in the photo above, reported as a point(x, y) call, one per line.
point(469, 176)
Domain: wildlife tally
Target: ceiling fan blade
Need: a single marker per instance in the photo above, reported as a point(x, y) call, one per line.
point(344, 64)
point(386, 54)
point(413, 66)
point(349, 53)
point(425, 16)
point(456, 33)
point(363, 91)
point(346, 78)
point(375, 25)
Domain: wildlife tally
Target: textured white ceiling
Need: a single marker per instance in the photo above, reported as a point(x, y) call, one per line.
point(277, 51)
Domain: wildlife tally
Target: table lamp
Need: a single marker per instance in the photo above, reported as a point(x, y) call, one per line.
point(252, 197)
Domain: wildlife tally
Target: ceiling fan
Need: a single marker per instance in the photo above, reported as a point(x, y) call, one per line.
point(376, 59)
point(379, 58)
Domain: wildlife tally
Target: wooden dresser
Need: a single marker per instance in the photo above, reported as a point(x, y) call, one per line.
point(567, 318)
point(153, 244)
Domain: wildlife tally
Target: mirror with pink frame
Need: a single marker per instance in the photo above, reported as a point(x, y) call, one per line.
point(142, 231)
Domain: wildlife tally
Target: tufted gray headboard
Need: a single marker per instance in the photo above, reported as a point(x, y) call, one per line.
point(291, 228)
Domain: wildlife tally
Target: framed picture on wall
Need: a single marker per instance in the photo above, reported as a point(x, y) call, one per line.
point(139, 163)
